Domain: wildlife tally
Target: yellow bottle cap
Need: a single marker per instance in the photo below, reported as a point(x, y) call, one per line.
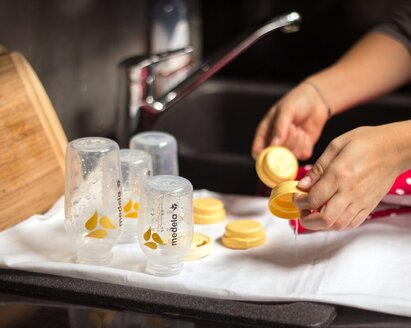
point(207, 206)
point(281, 200)
point(200, 247)
point(209, 219)
point(243, 229)
point(208, 211)
point(276, 164)
point(243, 234)
point(243, 243)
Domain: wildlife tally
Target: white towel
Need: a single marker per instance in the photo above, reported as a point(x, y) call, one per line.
point(367, 268)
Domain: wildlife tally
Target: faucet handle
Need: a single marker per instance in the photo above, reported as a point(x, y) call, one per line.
point(171, 66)
point(135, 65)
point(144, 61)
point(161, 57)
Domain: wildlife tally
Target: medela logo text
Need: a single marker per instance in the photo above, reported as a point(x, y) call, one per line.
point(174, 226)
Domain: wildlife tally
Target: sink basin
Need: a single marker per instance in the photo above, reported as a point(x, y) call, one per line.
point(215, 126)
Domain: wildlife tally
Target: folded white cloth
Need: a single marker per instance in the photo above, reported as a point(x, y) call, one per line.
point(368, 268)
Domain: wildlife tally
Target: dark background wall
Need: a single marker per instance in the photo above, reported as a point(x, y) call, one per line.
point(329, 28)
point(75, 45)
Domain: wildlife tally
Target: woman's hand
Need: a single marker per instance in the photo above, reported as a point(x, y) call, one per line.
point(376, 65)
point(295, 122)
point(352, 175)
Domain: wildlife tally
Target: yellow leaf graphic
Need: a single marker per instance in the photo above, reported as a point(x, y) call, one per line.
point(151, 245)
point(132, 215)
point(106, 223)
point(92, 222)
point(127, 207)
point(157, 238)
point(99, 233)
point(136, 206)
point(147, 234)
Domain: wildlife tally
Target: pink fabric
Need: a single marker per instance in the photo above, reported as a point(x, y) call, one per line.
point(399, 197)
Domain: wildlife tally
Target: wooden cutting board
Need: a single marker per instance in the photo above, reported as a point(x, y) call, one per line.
point(32, 143)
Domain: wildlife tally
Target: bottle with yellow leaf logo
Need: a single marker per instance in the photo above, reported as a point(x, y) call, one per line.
point(166, 223)
point(136, 167)
point(93, 201)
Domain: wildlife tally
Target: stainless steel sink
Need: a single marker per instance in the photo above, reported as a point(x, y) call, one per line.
point(215, 126)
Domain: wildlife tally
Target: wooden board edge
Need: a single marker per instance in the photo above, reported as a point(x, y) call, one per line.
point(43, 106)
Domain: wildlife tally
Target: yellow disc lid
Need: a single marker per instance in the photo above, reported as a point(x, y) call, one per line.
point(243, 243)
point(200, 247)
point(242, 234)
point(209, 219)
point(276, 164)
point(207, 206)
point(243, 229)
point(281, 200)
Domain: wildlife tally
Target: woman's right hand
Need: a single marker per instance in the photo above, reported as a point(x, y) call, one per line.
point(295, 122)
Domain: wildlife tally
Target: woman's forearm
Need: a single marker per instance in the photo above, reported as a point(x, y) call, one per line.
point(374, 66)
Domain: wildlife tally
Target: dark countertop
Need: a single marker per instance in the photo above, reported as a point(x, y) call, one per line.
point(39, 300)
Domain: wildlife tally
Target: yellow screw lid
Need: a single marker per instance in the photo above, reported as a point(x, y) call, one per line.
point(243, 243)
point(200, 247)
point(276, 164)
point(243, 229)
point(208, 210)
point(209, 219)
point(243, 234)
point(281, 200)
point(207, 206)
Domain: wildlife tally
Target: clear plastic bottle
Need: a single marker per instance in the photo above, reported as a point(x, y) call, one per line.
point(162, 148)
point(166, 223)
point(93, 213)
point(136, 167)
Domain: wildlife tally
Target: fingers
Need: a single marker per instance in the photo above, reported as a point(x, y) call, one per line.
point(350, 218)
point(329, 205)
point(264, 133)
point(282, 124)
point(343, 221)
point(336, 215)
point(299, 142)
point(357, 220)
point(319, 195)
point(260, 138)
point(302, 202)
point(294, 140)
point(272, 130)
point(306, 148)
point(279, 128)
point(332, 210)
point(346, 183)
point(321, 165)
point(335, 211)
point(312, 221)
point(338, 212)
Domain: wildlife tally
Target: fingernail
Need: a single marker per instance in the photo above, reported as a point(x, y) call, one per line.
point(304, 182)
point(276, 141)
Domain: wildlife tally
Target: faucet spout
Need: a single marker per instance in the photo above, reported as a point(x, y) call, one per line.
point(287, 23)
point(140, 76)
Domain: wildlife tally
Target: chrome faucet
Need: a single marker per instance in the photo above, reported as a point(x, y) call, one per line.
point(140, 76)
